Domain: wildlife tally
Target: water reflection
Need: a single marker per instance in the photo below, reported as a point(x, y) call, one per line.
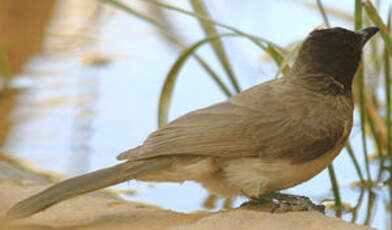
point(82, 124)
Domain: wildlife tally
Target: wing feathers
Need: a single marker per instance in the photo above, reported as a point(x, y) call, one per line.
point(300, 129)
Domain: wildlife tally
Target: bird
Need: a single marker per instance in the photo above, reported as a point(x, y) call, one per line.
point(270, 137)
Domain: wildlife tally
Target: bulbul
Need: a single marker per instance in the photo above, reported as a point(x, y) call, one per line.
point(270, 137)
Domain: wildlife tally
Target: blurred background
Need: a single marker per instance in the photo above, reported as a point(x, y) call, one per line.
point(81, 81)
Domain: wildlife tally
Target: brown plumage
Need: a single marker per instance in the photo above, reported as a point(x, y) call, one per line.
point(270, 137)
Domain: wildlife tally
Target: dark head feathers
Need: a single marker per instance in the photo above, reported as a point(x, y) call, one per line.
point(333, 52)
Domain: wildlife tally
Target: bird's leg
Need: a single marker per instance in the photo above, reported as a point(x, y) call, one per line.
point(258, 202)
point(228, 204)
point(286, 202)
point(210, 202)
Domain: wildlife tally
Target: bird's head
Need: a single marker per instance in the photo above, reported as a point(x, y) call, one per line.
point(334, 52)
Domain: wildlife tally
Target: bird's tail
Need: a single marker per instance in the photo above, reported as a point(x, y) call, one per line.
point(84, 184)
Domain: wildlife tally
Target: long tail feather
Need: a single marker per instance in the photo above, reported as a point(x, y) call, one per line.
point(84, 184)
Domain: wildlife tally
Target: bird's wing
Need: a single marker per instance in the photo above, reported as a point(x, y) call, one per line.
point(256, 123)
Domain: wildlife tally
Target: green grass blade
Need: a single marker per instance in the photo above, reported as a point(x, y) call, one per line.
point(279, 60)
point(378, 146)
point(213, 75)
point(361, 92)
point(355, 209)
point(173, 39)
point(130, 10)
point(387, 85)
point(257, 40)
point(288, 57)
point(335, 190)
point(358, 15)
point(335, 12)
point(363, 116)
point(171, 35)
point(275, 55)
point(361, 179)
point(323, 14)
point(217, 45)
point(374, 55)
point(376, 19)
point(355, 162)
point(373, 45)
point(369, 207)
point(167, 90)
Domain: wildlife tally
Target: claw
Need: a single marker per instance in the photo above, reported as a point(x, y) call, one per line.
point(286, 203)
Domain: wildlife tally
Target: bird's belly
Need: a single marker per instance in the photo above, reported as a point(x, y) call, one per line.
point(252, 176)
point(249, 176)
point(205, 170)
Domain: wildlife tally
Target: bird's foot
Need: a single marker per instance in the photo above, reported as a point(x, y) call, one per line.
point(211, 202)
point(287, 203)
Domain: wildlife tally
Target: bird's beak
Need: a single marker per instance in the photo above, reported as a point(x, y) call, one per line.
point(367, 33)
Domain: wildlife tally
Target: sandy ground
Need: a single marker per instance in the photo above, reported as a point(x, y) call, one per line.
point(105, 210)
